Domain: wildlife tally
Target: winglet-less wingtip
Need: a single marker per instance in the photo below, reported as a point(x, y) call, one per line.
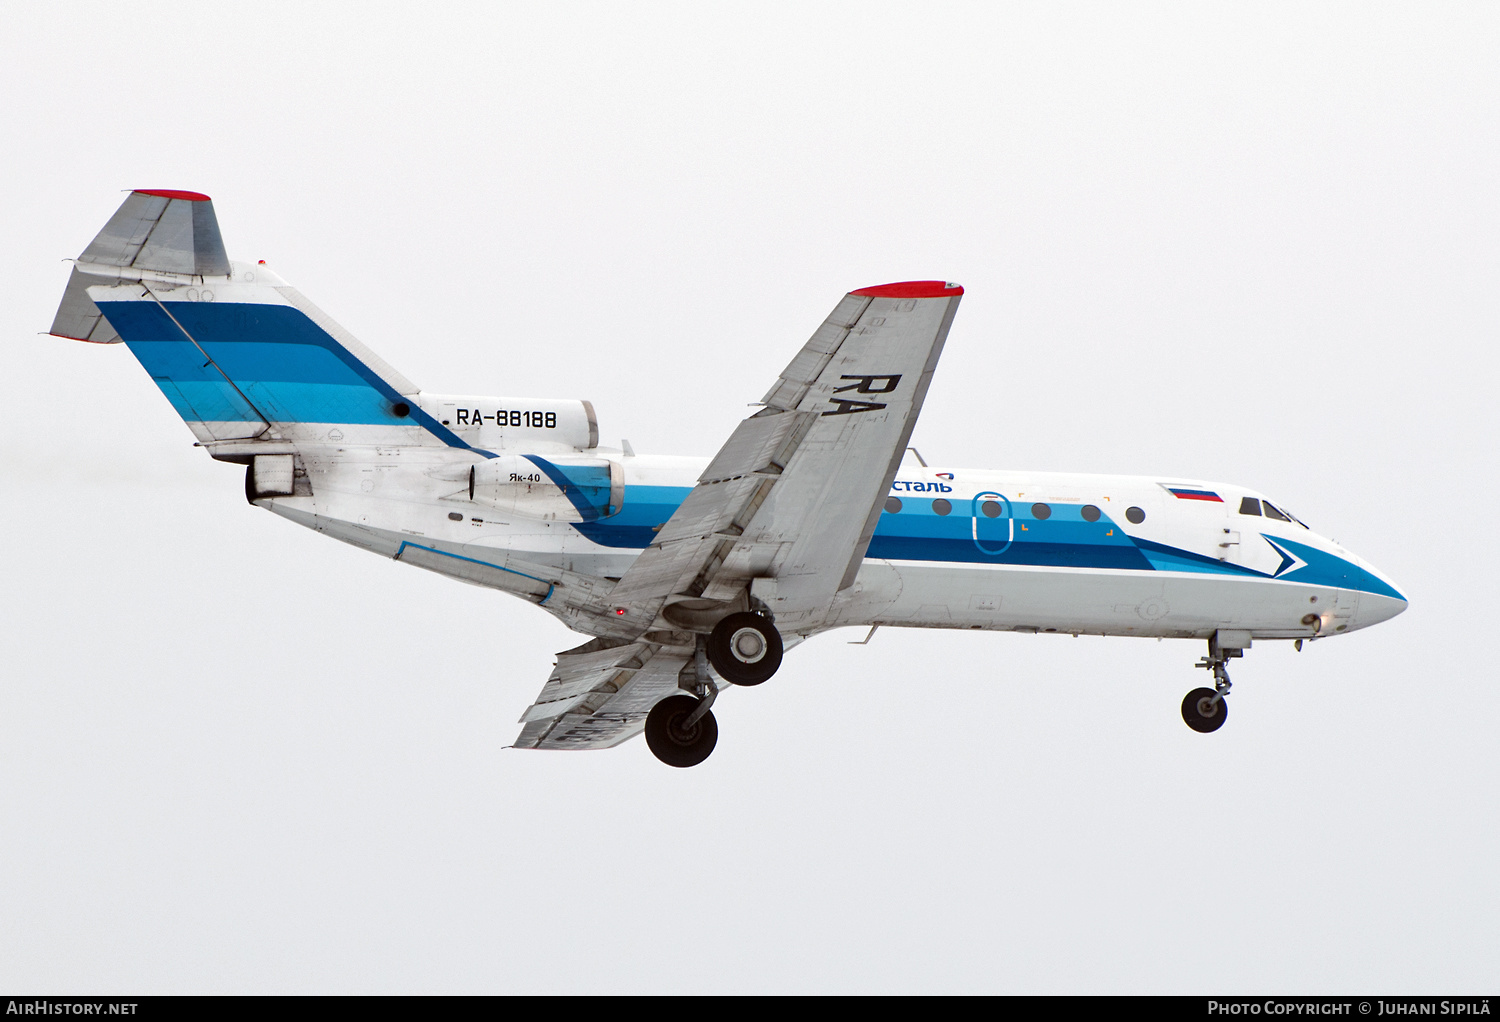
point(173, 193)
point(912, 289)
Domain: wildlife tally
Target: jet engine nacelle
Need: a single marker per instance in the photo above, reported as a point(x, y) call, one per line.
point(550, 489)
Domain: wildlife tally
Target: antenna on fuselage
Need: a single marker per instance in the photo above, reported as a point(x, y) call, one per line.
point(920, 460)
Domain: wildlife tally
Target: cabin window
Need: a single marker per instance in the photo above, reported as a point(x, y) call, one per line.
point(1090, 513)
point(1249, 506)
point(1272, 511)
point(1135, 515)
point(941, 506)
point(893, 505)
point(1041, 512)
point(991, 508)
point(454, 516)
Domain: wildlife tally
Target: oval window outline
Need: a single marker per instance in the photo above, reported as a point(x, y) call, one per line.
point(1089, 513)
point(1041, 512)
point(942, 506)
point(976, 509)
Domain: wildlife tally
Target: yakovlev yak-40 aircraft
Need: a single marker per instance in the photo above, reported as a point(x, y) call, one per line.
point(688, 573)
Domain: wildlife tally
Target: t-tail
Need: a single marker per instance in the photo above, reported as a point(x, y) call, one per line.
point(256, 370)
point(246, 360)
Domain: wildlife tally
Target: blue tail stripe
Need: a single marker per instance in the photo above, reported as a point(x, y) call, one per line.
point(283, 361)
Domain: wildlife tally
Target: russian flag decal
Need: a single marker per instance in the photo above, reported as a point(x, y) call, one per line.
point(1184, 494)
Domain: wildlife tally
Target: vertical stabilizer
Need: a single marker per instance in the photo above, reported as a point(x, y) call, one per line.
point(239, 354)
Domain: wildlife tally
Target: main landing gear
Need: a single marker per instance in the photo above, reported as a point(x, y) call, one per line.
point(1204, 709)
point(745, 649)
point(678, 734)
point(681, 730)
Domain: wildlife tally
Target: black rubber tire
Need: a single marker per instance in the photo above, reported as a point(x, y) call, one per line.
point(1196, 702)
point(732, 664)
point(670, 743)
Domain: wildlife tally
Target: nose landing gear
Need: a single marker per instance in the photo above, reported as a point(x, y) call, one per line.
point(1204, 709)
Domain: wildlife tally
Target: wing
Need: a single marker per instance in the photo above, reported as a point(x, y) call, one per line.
point(598, 695)
point(795, 493)
point(792, 496)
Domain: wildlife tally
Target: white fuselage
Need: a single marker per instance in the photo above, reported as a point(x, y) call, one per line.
point(1021, 551)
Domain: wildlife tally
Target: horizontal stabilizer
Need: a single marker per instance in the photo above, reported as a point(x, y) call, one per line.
point(241, 355)
point(155, 231)
point(78, 317)
point(167, 231)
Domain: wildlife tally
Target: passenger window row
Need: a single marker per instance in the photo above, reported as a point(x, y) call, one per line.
point(1041, 512)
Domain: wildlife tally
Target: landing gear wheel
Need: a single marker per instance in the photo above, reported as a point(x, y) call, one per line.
point(1202, 712)
point(674, 744)
point(745, 648)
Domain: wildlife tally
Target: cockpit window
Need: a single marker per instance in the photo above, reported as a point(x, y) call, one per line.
point(1272, 511)
point(1249, 506)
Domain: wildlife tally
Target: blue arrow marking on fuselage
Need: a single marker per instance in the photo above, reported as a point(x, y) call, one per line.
point(1289, 561)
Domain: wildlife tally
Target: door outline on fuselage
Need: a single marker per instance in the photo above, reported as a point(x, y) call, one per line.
point(1006, 514)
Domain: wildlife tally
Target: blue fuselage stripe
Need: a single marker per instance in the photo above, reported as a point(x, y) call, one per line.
point(277, 357)
point(1063, 540)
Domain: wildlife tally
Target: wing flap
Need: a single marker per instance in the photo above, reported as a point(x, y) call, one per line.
point(702, 523)
point(815, 355)
point(752, 447)
point(610, 712)
point(578, 676)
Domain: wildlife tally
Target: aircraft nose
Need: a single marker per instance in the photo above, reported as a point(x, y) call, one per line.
point(1379, 602)
point(1375, 608)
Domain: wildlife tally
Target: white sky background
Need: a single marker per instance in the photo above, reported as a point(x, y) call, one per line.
point(1231, 242)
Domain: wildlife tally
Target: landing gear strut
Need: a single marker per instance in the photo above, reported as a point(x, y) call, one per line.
point(1204, 709)
point(681, 730)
